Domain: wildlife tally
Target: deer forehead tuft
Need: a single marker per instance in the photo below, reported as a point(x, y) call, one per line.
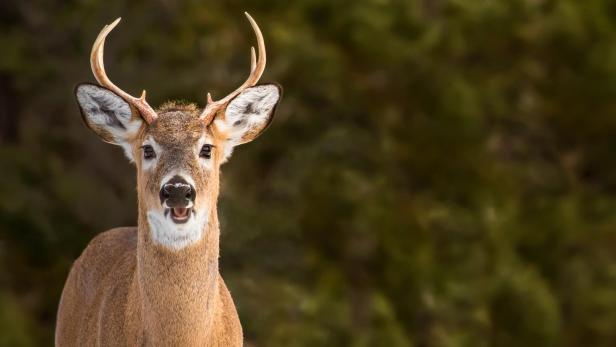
point(176, 128)
point(172, 105)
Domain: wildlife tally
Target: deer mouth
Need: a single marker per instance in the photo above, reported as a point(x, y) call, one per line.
point(180, 214)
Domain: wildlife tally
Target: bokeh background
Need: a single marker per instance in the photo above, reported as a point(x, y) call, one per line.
point(439, 173)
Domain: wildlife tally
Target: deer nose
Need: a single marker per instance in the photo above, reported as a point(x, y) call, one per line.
point(177, 193)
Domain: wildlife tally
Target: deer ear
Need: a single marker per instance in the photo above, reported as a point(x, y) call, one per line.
point(248, 114)
point(107, 114)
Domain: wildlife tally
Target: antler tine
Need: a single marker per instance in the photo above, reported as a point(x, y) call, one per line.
point(98, 69)
point(257, 66)
point(253, 59)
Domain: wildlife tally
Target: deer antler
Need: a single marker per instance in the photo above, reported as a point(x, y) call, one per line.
point(98, 69)
point(256, 70)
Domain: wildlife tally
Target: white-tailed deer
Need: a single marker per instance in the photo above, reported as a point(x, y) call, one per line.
point(158, 284)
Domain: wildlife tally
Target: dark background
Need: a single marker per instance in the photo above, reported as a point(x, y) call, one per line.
point(439, 173)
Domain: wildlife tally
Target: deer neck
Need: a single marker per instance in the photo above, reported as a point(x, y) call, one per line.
point(177, 290)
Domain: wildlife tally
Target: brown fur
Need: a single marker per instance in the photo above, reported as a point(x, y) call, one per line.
point(125, 290)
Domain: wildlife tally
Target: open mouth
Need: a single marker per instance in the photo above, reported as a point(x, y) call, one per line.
point(179, 214)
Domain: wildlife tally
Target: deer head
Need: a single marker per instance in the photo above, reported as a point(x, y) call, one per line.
point(177, 149)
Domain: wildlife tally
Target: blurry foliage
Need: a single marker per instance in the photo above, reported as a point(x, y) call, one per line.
point(440, 173)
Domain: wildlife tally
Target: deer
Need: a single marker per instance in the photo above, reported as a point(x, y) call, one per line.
point(159, 284)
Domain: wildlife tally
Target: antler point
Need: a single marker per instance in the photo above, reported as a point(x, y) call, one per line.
point(115, 22)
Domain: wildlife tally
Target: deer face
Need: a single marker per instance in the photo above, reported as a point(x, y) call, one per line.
point(178, 155)
point(177, 149)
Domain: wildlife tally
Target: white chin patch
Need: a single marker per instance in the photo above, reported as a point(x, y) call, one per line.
point(166, 232)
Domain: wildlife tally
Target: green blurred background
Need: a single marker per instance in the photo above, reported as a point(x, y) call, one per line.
point(439, 173)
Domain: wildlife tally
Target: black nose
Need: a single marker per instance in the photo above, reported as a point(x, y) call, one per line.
point(177, 192)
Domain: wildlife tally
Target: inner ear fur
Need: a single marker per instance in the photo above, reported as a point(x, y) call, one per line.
point(249, 114)
point(109, 116)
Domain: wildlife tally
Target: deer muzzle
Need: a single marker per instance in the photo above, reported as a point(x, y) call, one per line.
point(177, 198)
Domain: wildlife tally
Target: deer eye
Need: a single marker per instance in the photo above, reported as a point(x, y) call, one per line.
point(148, 152)
point(206, 151)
